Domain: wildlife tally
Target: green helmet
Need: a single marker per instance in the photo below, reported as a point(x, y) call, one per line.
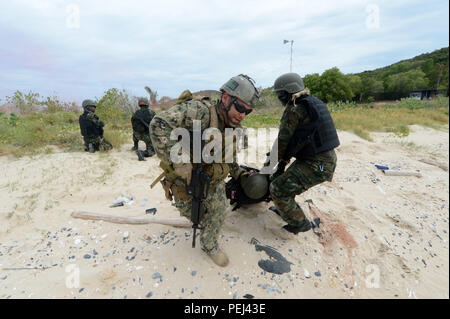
point(242, 86)
point(255, 186)
point(289, 82)
point(87, 103)
point(142, 101)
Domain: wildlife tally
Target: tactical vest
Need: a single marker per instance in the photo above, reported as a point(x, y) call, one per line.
point(138, 119)
point(169, 185)
point(87, 127)
point(316, 137)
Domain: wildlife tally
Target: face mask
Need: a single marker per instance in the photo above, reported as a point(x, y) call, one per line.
point(284, 97)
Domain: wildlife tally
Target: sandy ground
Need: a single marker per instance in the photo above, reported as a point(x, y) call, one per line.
point(381, 236)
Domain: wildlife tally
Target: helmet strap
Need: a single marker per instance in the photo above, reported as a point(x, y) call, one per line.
point(227, 109)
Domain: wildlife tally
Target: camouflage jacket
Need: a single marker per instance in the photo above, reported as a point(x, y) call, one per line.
point(183, 115)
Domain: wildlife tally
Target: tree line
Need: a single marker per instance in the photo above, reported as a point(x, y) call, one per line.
point(424, 72)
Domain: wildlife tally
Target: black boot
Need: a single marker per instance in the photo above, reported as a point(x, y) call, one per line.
point(140, 155)
point(135, 147)
point(305, 226)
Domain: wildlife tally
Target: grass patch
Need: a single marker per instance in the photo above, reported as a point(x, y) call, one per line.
point(362, 119)
point(40, 132)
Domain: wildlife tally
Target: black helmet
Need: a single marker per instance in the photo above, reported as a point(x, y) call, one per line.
point(255, 186)
point(142, 101)
point(87, 103)
point(289, 82)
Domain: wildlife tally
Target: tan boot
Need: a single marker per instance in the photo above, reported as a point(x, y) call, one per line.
point(219, 258)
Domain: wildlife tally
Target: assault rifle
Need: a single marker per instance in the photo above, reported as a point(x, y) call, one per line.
point(198, 188)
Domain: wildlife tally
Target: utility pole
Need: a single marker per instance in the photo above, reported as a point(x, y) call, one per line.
point(292, 42)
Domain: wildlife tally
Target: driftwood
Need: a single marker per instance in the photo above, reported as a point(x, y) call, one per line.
point(401, 173)
point(176, 222)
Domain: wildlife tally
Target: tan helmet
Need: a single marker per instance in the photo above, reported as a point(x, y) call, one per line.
point(242, 86)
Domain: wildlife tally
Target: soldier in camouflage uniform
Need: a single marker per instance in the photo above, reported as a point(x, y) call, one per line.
point(92, 129)
point(140, 122)
point(307, 132)
point(238, 97)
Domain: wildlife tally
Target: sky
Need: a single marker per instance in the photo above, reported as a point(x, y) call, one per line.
point(79, 49)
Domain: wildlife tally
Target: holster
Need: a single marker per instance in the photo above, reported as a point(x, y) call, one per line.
point(173, 190)
point(166, 186)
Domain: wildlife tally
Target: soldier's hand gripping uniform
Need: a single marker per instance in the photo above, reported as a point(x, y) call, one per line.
point(140, 122)
point(307, 132)
point(92, 129)
point(239, 95)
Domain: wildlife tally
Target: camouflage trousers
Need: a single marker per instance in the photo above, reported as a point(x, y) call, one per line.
point(98, 142)
point(298, 178)
point(214, 209)
point(145, 137)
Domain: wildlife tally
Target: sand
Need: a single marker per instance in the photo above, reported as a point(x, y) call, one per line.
point(381, 236)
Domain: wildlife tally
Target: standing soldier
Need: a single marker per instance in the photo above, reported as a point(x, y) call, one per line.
point(140, 121)
point(92, 129)
point(307, 132)
point(239, 96)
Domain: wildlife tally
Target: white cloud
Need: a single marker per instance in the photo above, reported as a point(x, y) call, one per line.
point(173, 45)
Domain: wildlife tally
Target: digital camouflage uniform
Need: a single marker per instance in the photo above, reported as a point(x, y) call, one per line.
point(215, 205)
point(303, 173)
point(92, 130)
point(140, 131)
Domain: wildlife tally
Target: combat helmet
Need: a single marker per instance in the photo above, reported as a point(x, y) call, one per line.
point(87, 103)
point(242, 86)
point(142, 101)
point(289, 82)
point(255, 186)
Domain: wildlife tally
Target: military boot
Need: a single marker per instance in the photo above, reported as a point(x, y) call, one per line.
point(148, 153)
point(305, 226)
point(135, 147)
point(140, 155)
point(219, 258)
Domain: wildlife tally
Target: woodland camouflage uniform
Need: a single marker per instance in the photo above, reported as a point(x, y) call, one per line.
point(309, 169)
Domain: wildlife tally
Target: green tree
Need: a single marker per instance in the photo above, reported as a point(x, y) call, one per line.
point(114, 105)
point(355, 83)
point(312, 82)
point(406, 81)
point(26, 103)
point(334, 86)
point(371, 87)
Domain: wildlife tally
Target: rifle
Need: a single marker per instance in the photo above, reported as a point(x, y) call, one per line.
point(198, 188)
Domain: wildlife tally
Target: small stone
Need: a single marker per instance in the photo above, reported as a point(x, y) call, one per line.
point(306, 273)
point(87, 256)
point(317, 273)
point(149, 294)
point(194, 272)
point(81, 289)
point(157, 275)
point(126, 234)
